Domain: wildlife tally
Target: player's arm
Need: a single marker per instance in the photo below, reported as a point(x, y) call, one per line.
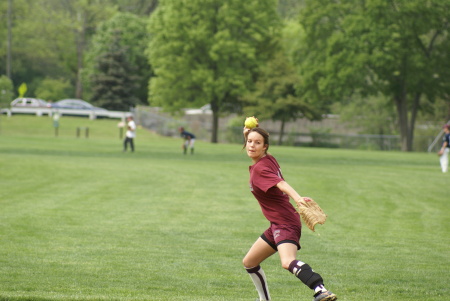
point(291, 192)
point(444, 145)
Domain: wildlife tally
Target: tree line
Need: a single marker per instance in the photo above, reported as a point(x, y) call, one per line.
point(382, 65)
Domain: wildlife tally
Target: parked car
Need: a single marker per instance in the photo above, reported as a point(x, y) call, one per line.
point(25, 102)
point(77, 104)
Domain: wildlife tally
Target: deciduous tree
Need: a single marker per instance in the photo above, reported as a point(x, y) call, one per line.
point(275, 96)
point(137, 7)
point(49, 38)
point(208, 51)
point(6, 91)
point(398, 48)
point(52, 89)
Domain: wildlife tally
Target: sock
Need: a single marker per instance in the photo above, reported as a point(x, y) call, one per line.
point(320, 288)
point(260, 282)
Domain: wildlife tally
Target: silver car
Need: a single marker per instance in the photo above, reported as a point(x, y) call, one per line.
point(77, 104)
point(26, 102)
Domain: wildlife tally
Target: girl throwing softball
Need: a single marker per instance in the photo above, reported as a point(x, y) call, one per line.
point(283, 235)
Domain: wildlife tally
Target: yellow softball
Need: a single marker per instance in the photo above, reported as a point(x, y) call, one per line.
point(251, 122)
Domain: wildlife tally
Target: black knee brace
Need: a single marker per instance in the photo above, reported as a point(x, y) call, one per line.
point(306, 274)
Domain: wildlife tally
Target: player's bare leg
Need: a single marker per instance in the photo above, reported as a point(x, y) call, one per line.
point(288, 253)
point(259, 252)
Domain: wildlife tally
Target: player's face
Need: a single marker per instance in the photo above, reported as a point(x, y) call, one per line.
point(255, 146)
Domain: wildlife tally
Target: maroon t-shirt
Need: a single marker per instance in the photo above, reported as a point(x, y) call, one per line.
point(275, 205)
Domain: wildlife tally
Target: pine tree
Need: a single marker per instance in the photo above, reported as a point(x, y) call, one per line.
point(114, 83)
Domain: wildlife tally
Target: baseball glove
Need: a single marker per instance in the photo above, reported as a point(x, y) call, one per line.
point(311, 212)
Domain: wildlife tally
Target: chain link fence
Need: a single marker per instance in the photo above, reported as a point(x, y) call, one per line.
point(346, 141)
point(319, 135)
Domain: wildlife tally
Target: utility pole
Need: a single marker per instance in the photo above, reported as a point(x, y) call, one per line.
point(8, 43)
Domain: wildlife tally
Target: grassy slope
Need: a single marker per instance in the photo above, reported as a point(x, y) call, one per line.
point(79, 219)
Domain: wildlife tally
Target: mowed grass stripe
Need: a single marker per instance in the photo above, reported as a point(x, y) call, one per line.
point(80, 220)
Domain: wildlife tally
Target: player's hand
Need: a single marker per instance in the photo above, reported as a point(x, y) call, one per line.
point(301, 202)
point(440, 153)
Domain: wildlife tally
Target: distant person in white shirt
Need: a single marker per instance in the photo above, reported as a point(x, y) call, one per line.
point(130, 135)
point(445, 149)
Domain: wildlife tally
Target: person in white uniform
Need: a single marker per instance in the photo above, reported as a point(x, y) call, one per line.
point(445, 149)
point(130, 135)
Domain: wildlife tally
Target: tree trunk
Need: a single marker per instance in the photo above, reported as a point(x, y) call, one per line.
point(414, 110)
point(381, 141)
point(79, 85)
point(8, 40)
point(215, 125)
point(402, 112)
point(280, 137)
point(80, 41)
point(448, 112)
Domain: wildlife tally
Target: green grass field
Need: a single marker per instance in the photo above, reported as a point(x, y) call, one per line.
point(80, 220)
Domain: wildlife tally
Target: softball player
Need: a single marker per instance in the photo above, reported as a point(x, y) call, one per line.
point(130, 134)
point(189, 140)
point(283, 236)
point(445, 149)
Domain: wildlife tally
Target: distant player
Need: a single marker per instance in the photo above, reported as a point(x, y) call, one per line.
point(130, 134)
point(283, 235)
point(189, 140)
point(445, 149)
